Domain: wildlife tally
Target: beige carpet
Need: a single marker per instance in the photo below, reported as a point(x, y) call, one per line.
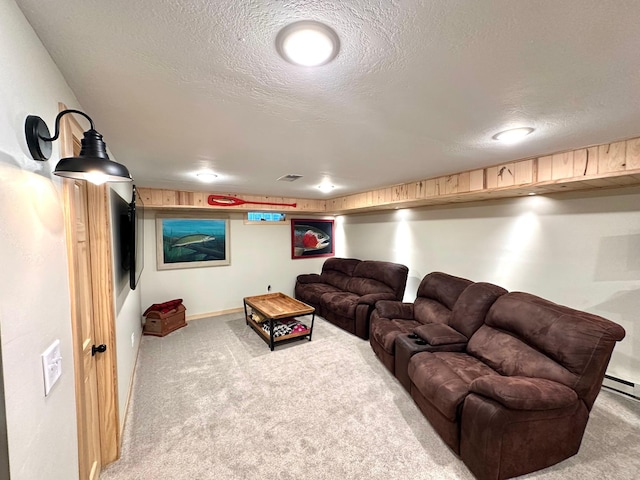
point(211, 401)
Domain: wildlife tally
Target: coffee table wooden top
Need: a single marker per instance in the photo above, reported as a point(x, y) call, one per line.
point(278, 305)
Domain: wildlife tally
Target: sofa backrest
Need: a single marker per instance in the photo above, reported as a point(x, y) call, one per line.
point(372, 276)
point(525, 335)
point(437, 294)
point(338, 271)
point(469, 312)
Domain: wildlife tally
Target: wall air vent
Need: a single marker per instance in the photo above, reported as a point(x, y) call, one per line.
point(292, 177)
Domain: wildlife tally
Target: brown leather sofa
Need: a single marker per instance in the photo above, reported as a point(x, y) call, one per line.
point(446, 312)
point(518, 398)
point(347, 289)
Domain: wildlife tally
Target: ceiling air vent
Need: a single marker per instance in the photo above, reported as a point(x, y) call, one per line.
point(292, 177)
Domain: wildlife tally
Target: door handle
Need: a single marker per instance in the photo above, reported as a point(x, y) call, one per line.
point(98, 349)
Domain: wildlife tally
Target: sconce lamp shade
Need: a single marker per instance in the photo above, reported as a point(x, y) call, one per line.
point(92, 164)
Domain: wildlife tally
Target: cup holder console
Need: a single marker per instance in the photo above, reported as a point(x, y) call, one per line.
point(420, 342)
point(413, 336)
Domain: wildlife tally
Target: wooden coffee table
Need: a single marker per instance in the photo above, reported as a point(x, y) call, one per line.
point(274, 307)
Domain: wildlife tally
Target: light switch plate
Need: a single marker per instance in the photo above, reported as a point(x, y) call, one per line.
point(51, 366)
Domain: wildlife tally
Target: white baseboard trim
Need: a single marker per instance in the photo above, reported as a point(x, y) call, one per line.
point(213, 314)
point(129, 393)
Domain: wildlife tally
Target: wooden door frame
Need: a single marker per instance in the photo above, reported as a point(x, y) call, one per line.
point(100, 248)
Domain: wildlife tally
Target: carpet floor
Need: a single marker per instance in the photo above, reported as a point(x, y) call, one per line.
point(211, 401)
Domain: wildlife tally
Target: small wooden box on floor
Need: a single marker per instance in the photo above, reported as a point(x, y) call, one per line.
point(160, 324)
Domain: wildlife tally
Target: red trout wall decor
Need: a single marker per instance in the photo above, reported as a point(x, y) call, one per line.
point(226, 201)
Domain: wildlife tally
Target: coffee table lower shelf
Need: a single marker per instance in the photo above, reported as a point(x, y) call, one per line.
point(281, 339)
point(275, 307)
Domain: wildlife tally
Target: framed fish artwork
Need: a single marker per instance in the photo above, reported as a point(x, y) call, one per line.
point(188, 241)
point(311, 238)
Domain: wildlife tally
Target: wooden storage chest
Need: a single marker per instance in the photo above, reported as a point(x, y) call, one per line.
point(160, 324)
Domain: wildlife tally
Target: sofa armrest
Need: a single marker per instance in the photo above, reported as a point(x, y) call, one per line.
point(394, 309)
point(309, 278)
point(439, 334)
point(372, 298)
point(524, 393)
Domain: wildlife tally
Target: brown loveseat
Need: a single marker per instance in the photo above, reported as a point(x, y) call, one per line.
point(445, 314)
point(347, 289)
point(518, 398)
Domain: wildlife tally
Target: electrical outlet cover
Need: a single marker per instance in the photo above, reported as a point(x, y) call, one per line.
point(51, 366)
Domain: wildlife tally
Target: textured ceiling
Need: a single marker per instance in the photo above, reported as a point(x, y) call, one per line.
point(417, 90)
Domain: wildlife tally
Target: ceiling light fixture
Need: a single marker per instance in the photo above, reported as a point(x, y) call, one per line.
point(206, 176)
point(325, 187)
point(92, 164)
point(513, 135)
point(307, 43)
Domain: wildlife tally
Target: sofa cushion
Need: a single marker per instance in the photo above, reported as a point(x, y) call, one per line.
point(394, 309)
point(471, 308)
point(385, 276)
point(523, 393)
point(509, 355)
point(444, 378)
point(309, 278)
point(442, 287)
point(365, 286)
point(568, 336)
point(341, 303)
point(312, 292)
point(342, 265)
point(426, 310)
point(338, 271)
point(547, 340)
point(385, 332)
point(336, 279)
point(437, 294)
point(439, 334)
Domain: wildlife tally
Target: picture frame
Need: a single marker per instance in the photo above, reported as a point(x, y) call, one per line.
point(311, 238)
point(192, 241)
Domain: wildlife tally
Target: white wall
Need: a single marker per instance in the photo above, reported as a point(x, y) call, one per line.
point(260, 256)
point(34, 293)
point(577, 249)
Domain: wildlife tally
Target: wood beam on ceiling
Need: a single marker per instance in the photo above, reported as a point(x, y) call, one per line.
point(611, 165)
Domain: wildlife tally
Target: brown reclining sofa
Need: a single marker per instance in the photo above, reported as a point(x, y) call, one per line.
point(447, 310)
point(513, 393)
point(347, 289)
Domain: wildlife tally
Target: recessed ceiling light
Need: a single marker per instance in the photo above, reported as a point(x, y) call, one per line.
point(307, 43)
point(513, 135)
point(206, 176)
point(325, 187)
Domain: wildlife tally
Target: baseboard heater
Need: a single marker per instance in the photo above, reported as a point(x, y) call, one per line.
point(624, 387)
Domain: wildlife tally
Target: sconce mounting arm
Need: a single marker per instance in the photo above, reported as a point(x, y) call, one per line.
point(38, 135)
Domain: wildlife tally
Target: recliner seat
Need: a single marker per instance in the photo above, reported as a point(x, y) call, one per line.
point(518, 399)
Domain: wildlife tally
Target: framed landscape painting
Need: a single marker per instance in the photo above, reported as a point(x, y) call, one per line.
point(187, 241)
point(311, 238)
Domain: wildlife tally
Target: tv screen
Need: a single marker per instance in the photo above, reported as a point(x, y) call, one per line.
point(136, 239)
point(121, 225)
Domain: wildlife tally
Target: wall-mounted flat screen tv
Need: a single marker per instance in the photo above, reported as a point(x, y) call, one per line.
point(136, 239)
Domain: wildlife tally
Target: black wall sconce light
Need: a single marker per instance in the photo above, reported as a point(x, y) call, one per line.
point(93, 163)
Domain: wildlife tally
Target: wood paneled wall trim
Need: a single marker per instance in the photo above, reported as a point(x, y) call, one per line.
point(105, 329)
point(608, 165)
point(183, 200)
